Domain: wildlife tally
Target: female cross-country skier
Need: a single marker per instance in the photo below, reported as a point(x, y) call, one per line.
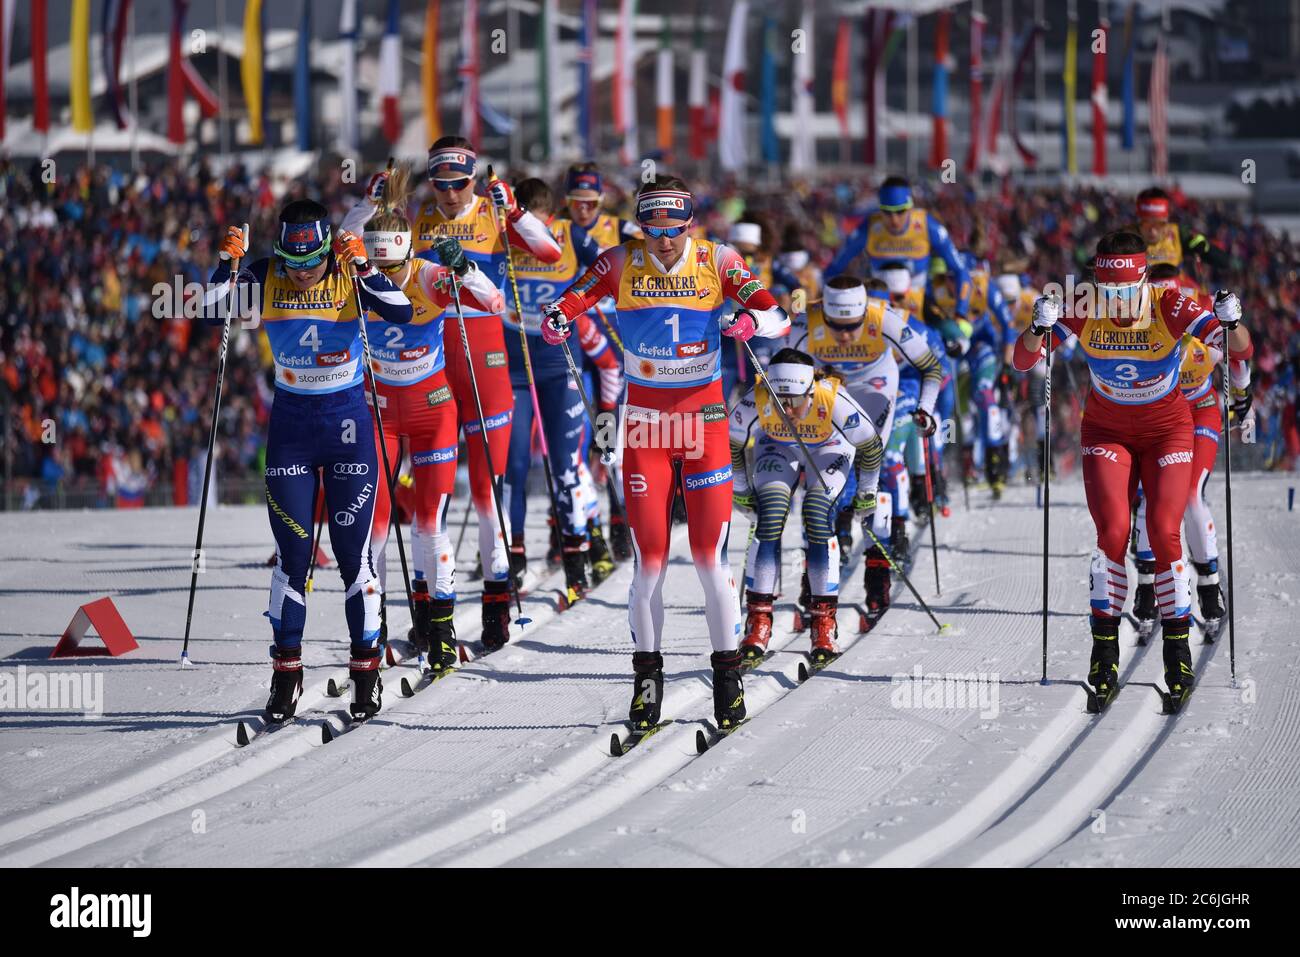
point(840, 439)
point(669, 289)
point(415, 401)
point(1136, 425)
point(306, 299)
point(455, 212)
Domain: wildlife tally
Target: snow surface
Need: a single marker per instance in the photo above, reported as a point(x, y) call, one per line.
point(507, 761)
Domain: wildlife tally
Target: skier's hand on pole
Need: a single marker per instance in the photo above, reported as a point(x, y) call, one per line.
point(350, 250)
point(864, 506)
point(375, 188)
point(235, 244)
point(555, 326)
point(745, 503)
point(1227, 309)
point(451, 255)
point(503, 197)
point(925, 423)
point(739, 325)
point(1047, 313)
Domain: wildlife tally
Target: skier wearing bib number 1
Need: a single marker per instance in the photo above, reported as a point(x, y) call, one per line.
point(1136, 425)
point(669, 289)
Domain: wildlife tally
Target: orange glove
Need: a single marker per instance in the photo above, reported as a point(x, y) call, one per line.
point(235, 245)
point(349, 249)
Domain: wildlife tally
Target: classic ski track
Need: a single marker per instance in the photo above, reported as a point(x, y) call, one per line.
point(97, 804)
point(1077, 781)
point(649, 766)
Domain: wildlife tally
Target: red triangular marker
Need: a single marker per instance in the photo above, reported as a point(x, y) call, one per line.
point(104, 617)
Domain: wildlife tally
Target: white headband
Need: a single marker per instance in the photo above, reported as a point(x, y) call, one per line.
point(387, 246)
point(795, 260)
point(746, 234)
point(848, 303)
point(899, 279)
point(790, 378)
point(1009, 285)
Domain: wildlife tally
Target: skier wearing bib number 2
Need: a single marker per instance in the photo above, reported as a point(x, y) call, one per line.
point(669, 289)
point(1136, 425)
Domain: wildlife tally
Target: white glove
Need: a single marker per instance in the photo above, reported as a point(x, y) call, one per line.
point(1227, 309)
point(1047, 313)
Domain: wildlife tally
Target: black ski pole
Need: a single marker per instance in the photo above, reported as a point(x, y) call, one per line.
point(1227, 493)
point(315, 544)
point(1047, 483)
point(929, 497)
point(195, 559)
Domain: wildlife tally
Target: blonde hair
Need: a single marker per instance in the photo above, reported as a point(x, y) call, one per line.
point(392, 207)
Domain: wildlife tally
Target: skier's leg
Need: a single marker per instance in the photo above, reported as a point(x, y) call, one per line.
point(648, 489)
point(706, 482)
point(518, 460)
point(1108, 470)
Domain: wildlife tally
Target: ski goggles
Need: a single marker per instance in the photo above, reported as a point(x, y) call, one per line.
point(655, 232)
point(449, 162)
point(895, 199)
point(444, 185)
point(303, 245)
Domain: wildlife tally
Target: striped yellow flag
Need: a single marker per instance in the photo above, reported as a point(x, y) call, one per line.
point(250, 69)
point(1071, 163)
point(83, 119)
point(429, 73)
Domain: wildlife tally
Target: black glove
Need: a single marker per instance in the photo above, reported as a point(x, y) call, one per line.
point(1240, 401)
point(925, 423)
point(451, 255)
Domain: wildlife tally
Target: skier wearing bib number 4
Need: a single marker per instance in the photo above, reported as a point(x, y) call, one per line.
point(306, 298)
point(841, 439)
point(669, 289)
point(1136, 425)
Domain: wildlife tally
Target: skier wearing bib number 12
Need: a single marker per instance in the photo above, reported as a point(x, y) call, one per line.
point(1136, 425)
point(669, 289)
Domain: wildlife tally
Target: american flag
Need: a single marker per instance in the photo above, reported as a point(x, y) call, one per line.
point(1158, 105)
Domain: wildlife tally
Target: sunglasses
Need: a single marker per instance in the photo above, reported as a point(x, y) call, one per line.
point(671, 232)
point(845, 326)
point(388, 268)
point(444, 185)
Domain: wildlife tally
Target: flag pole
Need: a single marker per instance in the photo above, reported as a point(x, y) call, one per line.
point(135, 98)
point(913, 139)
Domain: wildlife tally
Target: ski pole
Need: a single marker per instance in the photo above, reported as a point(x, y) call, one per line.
point(606, 458)
point(1227, 492)
point(383, 442)
point(528, 364)
point(761, 376)
point(315, 545)
point(1047, 482)
point(212, 443)
point(961, 444)
point(929, 496)
point(487, 446)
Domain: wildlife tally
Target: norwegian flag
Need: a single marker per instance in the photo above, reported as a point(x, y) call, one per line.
point(390, 73)
point(1158, 105)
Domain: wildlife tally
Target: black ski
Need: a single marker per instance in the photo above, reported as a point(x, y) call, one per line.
point(705, 741)
point(815, 663)
point(621, 746)
point(410, 690)
point(1172, 704)
point(749, 663)
point(1099, 703)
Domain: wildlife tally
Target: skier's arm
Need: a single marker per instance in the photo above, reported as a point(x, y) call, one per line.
point(770, 320)
point(598, 350)
point(1186, 315)
point(584, 247)
point(357, 217)
point(380, 296)
point(1198, 245)
point(941, 243)
point(1029, 347)
point(916, 350)
point(851, 249)
point(525, 231)
point(218, 289)
point(595, 284)
point(740, 429)
point(1000, 316)
point(627, 229)
point(855, 425)
point(476, 290)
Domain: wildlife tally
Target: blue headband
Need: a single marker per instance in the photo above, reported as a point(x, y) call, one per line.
point(666, 204)
point(586, 181)
point(446, 163)
point(895, 199)
point(299, 242)
point(878, 294)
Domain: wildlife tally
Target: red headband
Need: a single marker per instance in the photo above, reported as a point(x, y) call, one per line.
point(1153, 208)
point(1116, 270)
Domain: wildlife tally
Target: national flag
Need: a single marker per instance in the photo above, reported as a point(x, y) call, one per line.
point(40, 79)
point(1069, 161)
point(349, 120)
point(880, 43)
point(302, 80)
point(1099, 100)
point(547, 107)
point(977, 22)
point(698, 91)
point(664, 107)
point(939, 101)
point(768, 142)
point(183, 79)
point(390, 73)
point(1158, 106)
point(250, 69)
point(83, 119)
point(625, 82)
point(113, 24)
point(470, 127)
point(840, 76)
point(586, 56)
point(733, 150)
point(1127, 137)
point(1028, 45)
point(803, 153)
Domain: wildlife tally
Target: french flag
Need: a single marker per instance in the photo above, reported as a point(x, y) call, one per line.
point(390, 74)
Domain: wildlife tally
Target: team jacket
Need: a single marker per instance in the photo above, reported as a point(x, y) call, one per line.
point(869, 356)
point(404, 355)
point(832, 414)
point(669, 317)
point(1139, 364)
point(314, 335)
point(922, 238)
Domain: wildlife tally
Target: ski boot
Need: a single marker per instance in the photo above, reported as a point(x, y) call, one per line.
point(555, 551)
point(620, 541)
point(844, 532)
point(496, 615)
point(575, 568)
point(940, 482)
point(876, 583)
point(995, 470)
point(367, 686)
point(1210, 597)
point(1144, 602)
point(602, 562)
point(421, 624)
point(825, 629)
point(802, 614)
point(518, 562)
point(1103, 671)
point(758, 626)
point(916, 497)
point(647, 690)
point(1179, 675)
point(899, 543)
point(442, 654)
point(968, 464)
point(286, 685)
point(728, 690)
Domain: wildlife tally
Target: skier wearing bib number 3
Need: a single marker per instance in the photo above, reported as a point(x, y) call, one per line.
point(669, 289)
point(1136, 425)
